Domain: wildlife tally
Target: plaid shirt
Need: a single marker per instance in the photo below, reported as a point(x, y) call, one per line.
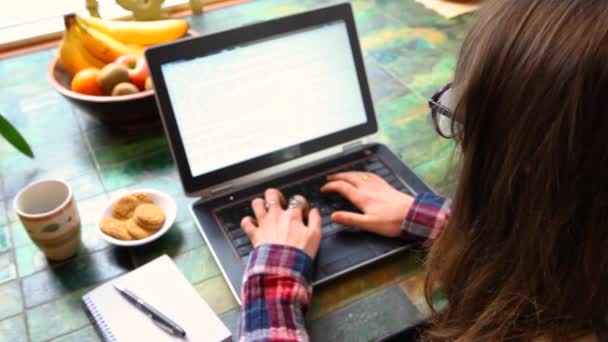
point(276, 289)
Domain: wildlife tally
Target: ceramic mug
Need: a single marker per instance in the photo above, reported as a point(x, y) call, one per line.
point(49, 215)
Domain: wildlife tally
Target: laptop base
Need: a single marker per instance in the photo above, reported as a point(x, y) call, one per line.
point(339, 253)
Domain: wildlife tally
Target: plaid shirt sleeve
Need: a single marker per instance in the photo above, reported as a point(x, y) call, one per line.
point(276, 294)
point(426, 218)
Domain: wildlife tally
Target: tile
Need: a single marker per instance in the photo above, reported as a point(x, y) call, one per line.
point(410, 13)
point(11, 215)
point(183, 207)
point(405, 125)
point(428, 79)
point(362, 283)
point(160, 162)
point(405, 113)
point(245, 13)
point(216, 293)
point(91, 239)
point(74, 274)
point(166, 183)
point(30, 259)
point(10, 299)
point(197, 265)
point(70, 172)
point(413, 287)
point(368, 17)
point(128, 173)
point(382, 84)
point(90, 209)
point(87, 334)
point(57, 318)
point(42, 127)
point(13, 330)
point(86, 121)
point(5, 239)
point(103, 136)
point(3, 214)
point(373, 317)
point(19, 234)
point(8, 271)
point(72, 161)
point(231, 321)
point(130, 149)
point(182, 237)
point(86, 186)
point(25, 66)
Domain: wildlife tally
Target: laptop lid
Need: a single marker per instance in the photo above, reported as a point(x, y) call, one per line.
point(245, 100)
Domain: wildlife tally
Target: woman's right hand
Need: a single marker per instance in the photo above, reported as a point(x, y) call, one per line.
point(384, 208)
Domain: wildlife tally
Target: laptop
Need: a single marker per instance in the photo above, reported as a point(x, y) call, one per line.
point(281, 104)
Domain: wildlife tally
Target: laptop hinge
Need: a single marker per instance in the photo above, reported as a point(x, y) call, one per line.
point(220, 189)
point(355, 145)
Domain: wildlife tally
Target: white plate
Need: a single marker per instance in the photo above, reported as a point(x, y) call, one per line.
point(161, 199)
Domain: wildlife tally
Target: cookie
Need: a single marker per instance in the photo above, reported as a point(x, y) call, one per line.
point(149, 216)
point(124, 207)
point(136, 231)
point(115, 228)
point(143, 197)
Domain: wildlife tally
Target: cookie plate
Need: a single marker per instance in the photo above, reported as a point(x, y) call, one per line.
point(161, 199)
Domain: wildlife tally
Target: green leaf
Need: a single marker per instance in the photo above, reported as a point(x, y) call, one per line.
point(14, 137)
point(53, 227)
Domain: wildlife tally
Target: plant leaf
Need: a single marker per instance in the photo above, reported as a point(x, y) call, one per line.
point(13, 136)
point(53, 227)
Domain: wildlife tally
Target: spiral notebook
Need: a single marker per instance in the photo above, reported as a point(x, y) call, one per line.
point(161, 284)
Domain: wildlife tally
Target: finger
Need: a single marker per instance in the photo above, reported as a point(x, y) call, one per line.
point(353, 177)
point(297, 207)
point(258, 208)
point(314, 219)
point(353, 219)
point(347, 190)
point(314, 231)
point(274, 201)
point(249, 226)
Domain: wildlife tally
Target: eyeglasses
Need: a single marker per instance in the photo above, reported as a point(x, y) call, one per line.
point(441, 113)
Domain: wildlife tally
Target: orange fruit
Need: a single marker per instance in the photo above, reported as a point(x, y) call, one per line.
point(85, 82)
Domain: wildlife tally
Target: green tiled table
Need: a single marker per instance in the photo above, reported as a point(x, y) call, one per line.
point(409, 52)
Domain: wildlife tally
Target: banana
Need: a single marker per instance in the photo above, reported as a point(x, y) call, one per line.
point(74, 57)
point(138, 32)
point(103, 46)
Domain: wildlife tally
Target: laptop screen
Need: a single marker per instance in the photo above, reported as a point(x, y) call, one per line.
point(264, 96)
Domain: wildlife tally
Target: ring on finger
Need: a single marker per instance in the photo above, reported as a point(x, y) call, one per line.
point(294, 203)
point(268, 204)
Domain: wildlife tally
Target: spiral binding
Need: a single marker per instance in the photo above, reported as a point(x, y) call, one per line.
point(100, 324)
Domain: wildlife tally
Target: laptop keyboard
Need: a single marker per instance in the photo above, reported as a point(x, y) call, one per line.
point(230, 217)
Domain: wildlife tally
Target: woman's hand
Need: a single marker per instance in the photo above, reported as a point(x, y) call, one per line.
point(275, 225)
point(384, 208)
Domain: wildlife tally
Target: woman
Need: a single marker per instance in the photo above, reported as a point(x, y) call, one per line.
point(522, 254)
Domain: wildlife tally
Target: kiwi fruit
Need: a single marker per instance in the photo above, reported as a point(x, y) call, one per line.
point(111, 75)
point(124, 88)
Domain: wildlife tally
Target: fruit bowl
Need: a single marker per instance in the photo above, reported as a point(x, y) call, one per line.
point(125, 112)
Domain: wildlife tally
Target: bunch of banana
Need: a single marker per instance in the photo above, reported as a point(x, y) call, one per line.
point(94, 42)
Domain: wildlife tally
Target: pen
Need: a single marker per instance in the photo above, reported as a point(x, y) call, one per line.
point(165, 322)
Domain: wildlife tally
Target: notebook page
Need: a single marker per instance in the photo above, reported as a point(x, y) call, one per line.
point(161, 284)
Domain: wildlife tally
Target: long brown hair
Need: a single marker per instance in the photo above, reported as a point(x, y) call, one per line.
point(525, 253)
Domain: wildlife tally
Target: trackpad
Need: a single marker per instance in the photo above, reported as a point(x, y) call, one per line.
point(343, 250)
